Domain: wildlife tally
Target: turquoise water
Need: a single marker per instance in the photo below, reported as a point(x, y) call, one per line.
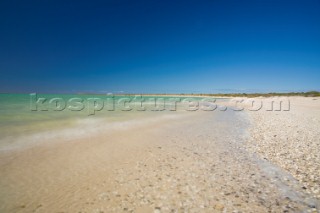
point(21, 115)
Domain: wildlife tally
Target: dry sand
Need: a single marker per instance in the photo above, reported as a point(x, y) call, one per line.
point(194, 163)
point(290, 139)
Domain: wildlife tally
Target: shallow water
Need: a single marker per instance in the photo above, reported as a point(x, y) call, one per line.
point(35, 117)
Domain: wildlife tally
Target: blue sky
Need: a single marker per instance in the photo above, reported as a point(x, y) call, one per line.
point(159, 46)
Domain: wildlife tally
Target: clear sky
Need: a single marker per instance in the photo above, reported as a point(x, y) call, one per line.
point(159, 46)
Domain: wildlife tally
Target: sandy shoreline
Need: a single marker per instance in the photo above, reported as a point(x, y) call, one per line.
point(195, 163)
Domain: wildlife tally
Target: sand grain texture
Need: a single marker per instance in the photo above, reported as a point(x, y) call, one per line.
point(291, 140)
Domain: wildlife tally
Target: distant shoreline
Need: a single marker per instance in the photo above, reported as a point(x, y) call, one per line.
point(220, 95)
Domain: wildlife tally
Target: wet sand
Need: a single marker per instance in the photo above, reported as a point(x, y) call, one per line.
point(194, 163)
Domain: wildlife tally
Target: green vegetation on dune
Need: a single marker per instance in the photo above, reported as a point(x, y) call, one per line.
point(250, 95)
point(272, 94)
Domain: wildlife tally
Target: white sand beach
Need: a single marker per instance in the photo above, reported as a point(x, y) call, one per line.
point(221, 161)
